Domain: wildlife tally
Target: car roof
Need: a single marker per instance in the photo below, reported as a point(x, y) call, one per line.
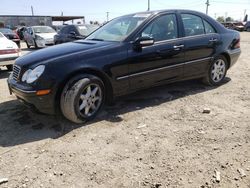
point(153, 12)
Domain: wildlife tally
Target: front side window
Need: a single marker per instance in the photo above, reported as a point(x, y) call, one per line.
point(162, 28)
point(193, 25)
point(118, 29)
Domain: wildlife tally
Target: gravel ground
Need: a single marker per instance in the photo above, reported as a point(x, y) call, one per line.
point(155, 138)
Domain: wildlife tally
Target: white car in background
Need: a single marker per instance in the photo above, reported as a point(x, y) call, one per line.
point(9, 51)
point(39, 36)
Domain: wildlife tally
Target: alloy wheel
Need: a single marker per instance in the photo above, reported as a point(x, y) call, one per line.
point(90, 100)
point(218, 70)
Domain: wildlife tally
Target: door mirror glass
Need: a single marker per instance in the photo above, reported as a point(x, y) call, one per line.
point(144, 41)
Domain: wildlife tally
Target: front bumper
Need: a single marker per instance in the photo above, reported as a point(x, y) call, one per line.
point(27, 95)
point(44, 42)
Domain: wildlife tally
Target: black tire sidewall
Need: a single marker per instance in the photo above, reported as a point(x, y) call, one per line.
point(210, 70)
point(86, 80)
point(92, 80)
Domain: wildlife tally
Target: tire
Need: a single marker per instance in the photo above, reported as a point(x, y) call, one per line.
point(217, 71)
point(9, 67)
point(77, 102)
point(248, 29)
point(35, 44)
point(28, 46)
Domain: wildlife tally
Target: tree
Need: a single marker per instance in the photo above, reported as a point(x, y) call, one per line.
point(220, 19)
point(229, 19)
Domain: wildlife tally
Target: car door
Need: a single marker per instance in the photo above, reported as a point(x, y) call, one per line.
point(201, 41)
point(30, 36)
point(161, 62)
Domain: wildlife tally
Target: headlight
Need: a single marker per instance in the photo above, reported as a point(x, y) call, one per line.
point(39, 38)
point(32, 75)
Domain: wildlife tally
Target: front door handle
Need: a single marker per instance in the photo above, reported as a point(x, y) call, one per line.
point(178, 47)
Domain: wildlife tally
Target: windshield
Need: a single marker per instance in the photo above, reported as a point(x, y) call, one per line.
point(119, 28)
point(6, 31)
point(85, 30)
point(43, 29)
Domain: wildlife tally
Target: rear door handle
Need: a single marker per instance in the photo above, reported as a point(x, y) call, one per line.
point(178, 47)
point(213, 40)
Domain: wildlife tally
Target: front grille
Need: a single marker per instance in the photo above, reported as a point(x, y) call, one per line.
point(16, 72)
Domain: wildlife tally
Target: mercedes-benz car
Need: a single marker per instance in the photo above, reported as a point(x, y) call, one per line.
point(129, 53)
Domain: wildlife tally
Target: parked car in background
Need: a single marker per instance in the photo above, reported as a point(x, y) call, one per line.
point(9, 51)
point(247, 26)
point(57, 28)
point(128, 54)
point(8, 33)
point(39, 36)
point(70, 33)
point(238, 26)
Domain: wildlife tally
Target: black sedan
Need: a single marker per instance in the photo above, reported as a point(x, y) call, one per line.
point(127, 54)
point(8, 33)
point(71, 33)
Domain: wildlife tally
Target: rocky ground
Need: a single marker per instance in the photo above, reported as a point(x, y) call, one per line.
point(155, 138)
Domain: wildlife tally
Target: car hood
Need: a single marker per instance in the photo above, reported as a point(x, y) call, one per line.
point(46, 55)
point(7, 44)
point(46, 35)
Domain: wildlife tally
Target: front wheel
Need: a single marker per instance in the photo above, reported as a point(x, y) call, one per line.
point(82, 98)
point(217, 71)
point(9, 67)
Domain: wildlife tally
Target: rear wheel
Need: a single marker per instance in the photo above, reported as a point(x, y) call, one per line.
point(248, 29)
point(9, 67)
point(216, 72)
point(82, 98)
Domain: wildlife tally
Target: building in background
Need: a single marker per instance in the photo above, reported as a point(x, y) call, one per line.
point(13, 21)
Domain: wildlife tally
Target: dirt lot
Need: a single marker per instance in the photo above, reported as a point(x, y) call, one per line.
point(155, 138)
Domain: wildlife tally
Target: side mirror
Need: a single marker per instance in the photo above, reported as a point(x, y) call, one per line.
point(72, 34)
point(143, 41)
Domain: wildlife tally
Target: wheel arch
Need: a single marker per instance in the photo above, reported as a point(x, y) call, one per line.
point(94, 72)
point(227, 56)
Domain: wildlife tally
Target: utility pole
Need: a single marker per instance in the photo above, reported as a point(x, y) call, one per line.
point(207, 3)
point(215, 15)
point(107, 16)
point(32, 11)
point(148, 5)
point(225, 16)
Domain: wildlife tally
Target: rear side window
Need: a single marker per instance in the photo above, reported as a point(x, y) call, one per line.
point(208, 27)
point(193, 25)
point(162, 28)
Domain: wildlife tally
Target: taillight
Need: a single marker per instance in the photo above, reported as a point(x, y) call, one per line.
point(237, 45)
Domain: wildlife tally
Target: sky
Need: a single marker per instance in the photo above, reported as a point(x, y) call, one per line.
point(96, 10)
